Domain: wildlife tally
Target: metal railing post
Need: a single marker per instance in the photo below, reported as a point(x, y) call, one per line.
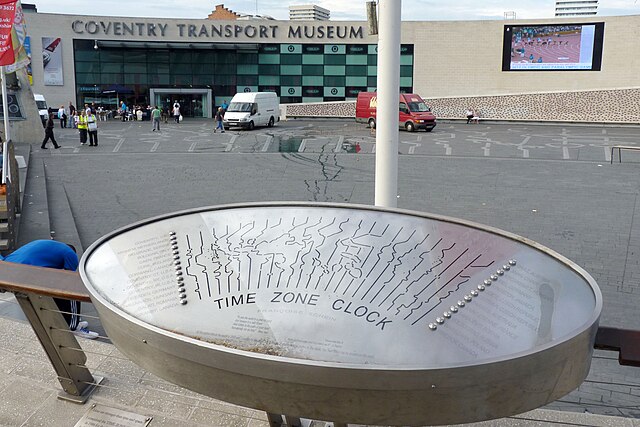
point(60, 345)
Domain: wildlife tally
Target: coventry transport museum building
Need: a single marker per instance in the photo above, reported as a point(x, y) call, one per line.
point(507, 69)
point(201, 63)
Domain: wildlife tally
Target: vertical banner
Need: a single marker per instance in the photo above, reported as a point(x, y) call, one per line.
point(27, 48)
point(52, 61)
point(7, 14)
point(18, 41)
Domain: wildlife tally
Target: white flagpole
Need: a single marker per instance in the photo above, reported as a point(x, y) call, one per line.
point(389, 38)
point(7, 135)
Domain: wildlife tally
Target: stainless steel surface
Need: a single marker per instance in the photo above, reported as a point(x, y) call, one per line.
point(333, 312)
point(60, 345)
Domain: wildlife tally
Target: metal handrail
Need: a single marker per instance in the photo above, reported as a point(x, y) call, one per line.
point(42, 281)
point(34, 289)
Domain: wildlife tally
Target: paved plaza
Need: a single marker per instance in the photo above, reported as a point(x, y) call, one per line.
point(553, 184)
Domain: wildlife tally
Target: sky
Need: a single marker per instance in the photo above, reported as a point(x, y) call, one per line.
point(412, 10)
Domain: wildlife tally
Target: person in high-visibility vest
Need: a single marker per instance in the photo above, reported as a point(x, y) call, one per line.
point(83, 127)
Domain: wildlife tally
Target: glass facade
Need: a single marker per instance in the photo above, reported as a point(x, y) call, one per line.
point(296, 72)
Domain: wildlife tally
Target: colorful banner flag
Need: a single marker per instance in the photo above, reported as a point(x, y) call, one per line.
point(18, 40)
point(7, 14)
point(13, 31)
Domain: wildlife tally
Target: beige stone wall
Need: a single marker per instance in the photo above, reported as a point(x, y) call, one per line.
point(464, 58)
point(598, 106)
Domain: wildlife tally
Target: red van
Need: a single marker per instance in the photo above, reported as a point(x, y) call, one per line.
point(413, 112)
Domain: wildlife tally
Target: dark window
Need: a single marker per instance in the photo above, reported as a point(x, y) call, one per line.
point(134, 55)
point(88, 67)
point(108, 55)
point(356, 70)
point(177, 68)
point(334, 81)
point(223, 68)
point(313, 70)
point(335, 60)
point(203, 58)
point(247, 58)
point(158, 56)
point(87, 78)
point(290, 80)
point(290, 99)
point(406, 71)
point(87, 55)
point(225, 79)
point(180, 57)
point(291, 59)
point(247, 80)
point(269, 69)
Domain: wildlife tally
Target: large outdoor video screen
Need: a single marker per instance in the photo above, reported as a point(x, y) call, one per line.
point(555, 47)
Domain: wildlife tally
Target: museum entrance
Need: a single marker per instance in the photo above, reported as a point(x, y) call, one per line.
point(193, 102)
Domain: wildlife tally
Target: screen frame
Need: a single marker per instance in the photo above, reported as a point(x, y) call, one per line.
point(598, 39)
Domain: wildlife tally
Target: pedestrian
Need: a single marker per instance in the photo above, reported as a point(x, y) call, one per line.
point(54, 254)
point(92, 128)
point(73, 120)
point(82, 127)
point(164, 113)
point(102, 114)
point(224, 106)
point(72, 109)
point(469, 114)
point(219, 119)
point(176, 111)
point(48, 134)
point(123, 111)
point(155, 118)
point(62, 115)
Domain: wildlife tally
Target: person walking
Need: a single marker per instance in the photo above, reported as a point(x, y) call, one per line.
point(48, 134)
point(92, 128)
point(83, 127)
point(62, 115)
point(219, 119)
point(164, 113)
point(155, 118)
point(54, 254)
point(123, 111)
point(176, 111)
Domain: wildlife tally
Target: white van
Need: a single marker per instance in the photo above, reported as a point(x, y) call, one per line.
point(43, 109)
point(250, 109)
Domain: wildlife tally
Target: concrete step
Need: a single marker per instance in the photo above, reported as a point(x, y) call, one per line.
point(34, 220)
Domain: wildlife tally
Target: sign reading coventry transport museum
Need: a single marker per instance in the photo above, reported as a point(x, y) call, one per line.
point(217, 31)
